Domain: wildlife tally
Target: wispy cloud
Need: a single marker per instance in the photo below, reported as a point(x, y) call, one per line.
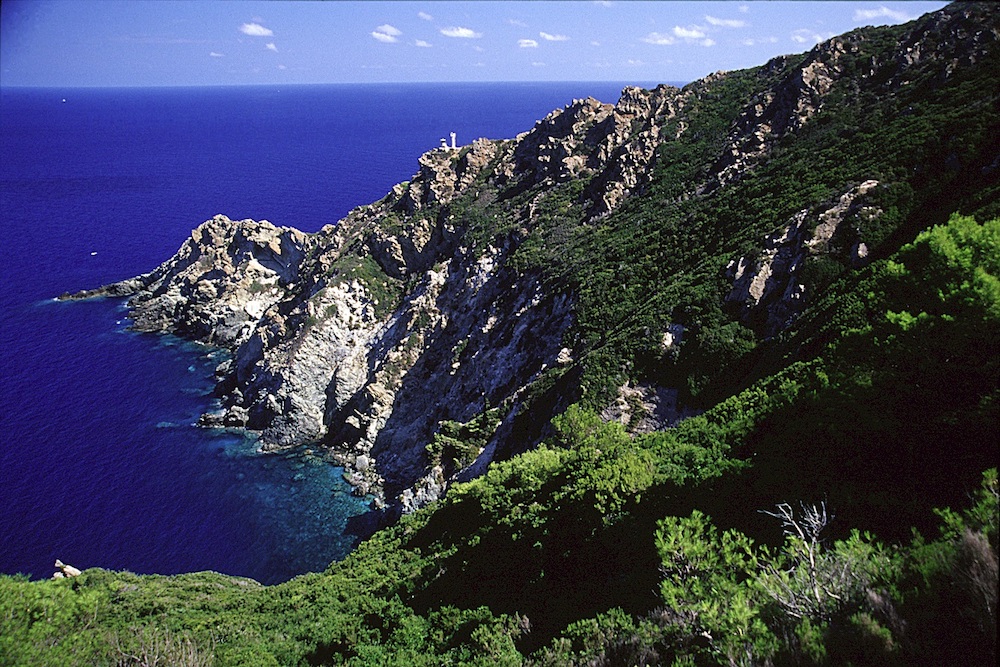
point(693, 35)
point(538, 64)
point(516, 23)
point(689, 33)
point(634, 63)
point(463, 33)
point(271, 47)
point(527, 43)
point(146, 39)
point(553, 38)
point(282, 67)
point(425, 16)
point(217, 55)
point(256, 30)
point(726, 23)
point(882, 12)
point(422, 44)
point(763, 40)
point(387, 34)
point(744, 8)
point(659, 39)
point(805, 36)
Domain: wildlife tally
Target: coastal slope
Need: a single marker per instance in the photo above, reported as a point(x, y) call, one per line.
point(707, 377)
point(638, 257)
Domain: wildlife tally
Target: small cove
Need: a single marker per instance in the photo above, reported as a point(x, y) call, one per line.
point(101, 463)
point(131, 482)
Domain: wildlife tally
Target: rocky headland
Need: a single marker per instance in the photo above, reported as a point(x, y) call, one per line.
point(419, 310)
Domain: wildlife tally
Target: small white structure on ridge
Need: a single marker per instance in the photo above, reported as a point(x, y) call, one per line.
point(445, 146)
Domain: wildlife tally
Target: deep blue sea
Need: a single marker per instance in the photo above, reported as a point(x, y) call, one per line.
point(100, 461)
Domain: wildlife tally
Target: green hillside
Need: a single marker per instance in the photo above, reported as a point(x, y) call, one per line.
point(800, 516)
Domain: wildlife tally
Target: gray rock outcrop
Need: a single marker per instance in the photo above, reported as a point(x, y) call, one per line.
point(367, 335)
point(768, 288)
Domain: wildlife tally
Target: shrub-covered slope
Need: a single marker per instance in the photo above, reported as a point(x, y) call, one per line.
point(804, 256)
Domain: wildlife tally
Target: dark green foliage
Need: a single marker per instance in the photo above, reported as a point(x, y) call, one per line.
point(878, 405)
point(456, 445)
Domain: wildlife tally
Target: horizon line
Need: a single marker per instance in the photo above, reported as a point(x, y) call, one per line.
point(627, 82)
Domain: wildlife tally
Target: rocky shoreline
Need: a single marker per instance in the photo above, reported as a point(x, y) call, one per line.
point(368, 336)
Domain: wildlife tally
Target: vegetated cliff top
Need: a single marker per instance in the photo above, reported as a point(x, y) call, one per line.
point(752, 246)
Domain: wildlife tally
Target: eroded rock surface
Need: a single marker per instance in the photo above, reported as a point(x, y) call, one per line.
point(367, 335)
point(768, 288)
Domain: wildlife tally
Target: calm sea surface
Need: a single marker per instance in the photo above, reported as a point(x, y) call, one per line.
point(100, 463)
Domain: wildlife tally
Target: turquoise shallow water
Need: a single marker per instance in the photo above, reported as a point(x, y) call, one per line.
point(109, 469)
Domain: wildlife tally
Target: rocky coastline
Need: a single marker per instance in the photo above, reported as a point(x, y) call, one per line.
point(368, 336)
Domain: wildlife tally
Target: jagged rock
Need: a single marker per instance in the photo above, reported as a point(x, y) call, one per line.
point(767, 288)
point(645, 408)
point(218, 284)
point(63, 570)
point(367, 335)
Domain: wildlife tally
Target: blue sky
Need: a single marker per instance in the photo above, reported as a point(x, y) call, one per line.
point(168, 43)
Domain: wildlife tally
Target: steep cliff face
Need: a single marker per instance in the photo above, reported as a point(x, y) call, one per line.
point(431, 306)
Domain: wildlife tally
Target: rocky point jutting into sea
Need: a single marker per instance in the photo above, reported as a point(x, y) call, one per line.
point(418, 310)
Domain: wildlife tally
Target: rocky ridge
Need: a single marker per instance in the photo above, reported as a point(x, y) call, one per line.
point(367, 335)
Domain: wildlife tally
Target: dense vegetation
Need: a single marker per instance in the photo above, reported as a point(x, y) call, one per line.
point(802, 518)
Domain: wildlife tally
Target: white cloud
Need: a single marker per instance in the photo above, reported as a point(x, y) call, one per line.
point(744, 8)
point(726, 23)
point(527, 43)
point(595, 43)
point(804, 36)
point(880, 13)
point(256, 30)
point(635, 63)
point(425, 16)
point(689, 33)
point(387, 34)
point(464, 33)
point(282, 67)
point(272, 47)
point(161, 40)
point(658, 38)
point(538, 64)
point(707, 42)
point(422, 44)
point(217, 55)
point(517, 24)
point(553, 38)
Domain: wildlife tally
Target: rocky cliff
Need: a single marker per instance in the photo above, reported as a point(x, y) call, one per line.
point(430, 306)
